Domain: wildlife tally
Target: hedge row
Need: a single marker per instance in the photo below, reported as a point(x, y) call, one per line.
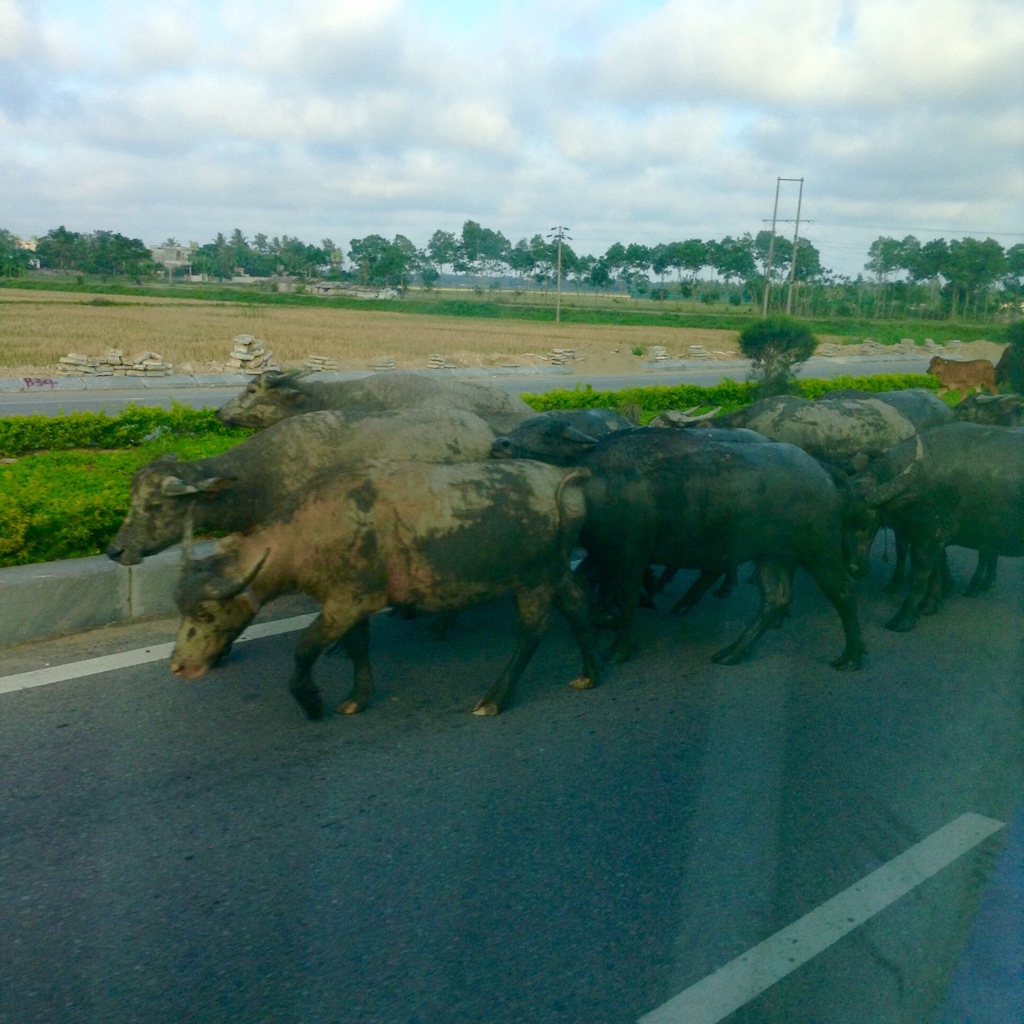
point(64, 490)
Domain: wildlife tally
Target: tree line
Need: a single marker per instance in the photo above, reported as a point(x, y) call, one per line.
point(938, 278)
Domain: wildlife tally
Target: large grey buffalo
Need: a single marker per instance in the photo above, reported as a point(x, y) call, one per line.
point(266, 474)
point(962, 483)
point(272, 396)
point(922, 407)
point(845, 433)
point(1003, 410)
point(566, 438)
point(669, 498)
point(431, 537)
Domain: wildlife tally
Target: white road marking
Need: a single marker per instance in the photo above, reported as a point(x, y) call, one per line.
point(715, 997)
point(126, 659)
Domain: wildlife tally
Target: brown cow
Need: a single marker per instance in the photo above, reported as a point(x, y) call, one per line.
point(961, 374)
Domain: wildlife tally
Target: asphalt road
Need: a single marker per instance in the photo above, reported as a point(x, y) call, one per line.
point(177, 852)
point(41, 400)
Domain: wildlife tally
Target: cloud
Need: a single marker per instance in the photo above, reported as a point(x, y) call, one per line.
point(659, 121)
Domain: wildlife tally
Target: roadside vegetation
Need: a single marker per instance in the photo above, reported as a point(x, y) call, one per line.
point(64, 481)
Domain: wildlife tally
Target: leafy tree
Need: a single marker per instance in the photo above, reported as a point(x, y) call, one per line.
point(733, 258)
point(692, 255)
point(14, 261)
point(972, 268)
point(1013, 274)
point(774, 346)
point(443, 249)
point(60, 248)
point(381, 262)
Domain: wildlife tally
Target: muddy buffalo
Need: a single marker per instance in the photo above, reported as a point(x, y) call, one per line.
point(963, 484)
point(430, 537)
point(272, 396)
point(663, 497)
point(263, 476)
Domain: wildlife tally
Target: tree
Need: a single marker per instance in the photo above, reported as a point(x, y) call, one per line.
point(692, 255)
point(13, 260)
point(443, 249)
point(775, 346)
point(60, 248)
point(381, 262)
point(733, 258)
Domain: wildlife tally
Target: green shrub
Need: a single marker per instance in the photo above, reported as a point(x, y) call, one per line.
point(21, 434)
point(66, 492)
point(774, 346)
point(69, 504)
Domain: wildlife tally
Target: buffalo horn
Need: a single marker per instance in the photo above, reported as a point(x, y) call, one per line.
point(223, 589)
point(882, 494)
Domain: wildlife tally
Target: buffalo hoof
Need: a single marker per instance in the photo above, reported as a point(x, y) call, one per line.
point(486, 707)
point(730, 655)
point(582, 683)
point(618, 653)
point(901, 623)
point(848, 662)
point(314, 709)
point(349, 707)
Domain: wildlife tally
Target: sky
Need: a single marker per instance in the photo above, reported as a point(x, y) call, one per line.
point(637, 121)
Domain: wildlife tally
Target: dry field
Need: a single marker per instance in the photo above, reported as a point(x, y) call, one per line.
point(37, 328)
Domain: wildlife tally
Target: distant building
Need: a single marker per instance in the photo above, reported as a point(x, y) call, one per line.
point(171, 255)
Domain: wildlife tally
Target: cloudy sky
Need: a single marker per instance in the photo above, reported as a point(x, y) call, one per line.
point(642, 121)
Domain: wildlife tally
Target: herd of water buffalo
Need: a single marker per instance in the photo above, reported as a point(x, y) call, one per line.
point(420, 494)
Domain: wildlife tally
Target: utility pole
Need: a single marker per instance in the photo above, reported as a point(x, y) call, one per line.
point(796, 242)
point(771, 251)
point(559, 234)
point(771, 247)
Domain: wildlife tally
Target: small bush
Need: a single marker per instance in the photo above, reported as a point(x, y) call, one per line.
point(775, 345)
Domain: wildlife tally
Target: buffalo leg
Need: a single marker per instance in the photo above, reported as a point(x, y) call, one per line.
point(696, 590)
point(834, 583)
point(571, 601)
point(899, 572)
point(775, 582)
point(357, 646)
point(533, 608)
point(984, 575)
point(728, 584)
point(310, 646)
point(626, 589)
point(925, 560)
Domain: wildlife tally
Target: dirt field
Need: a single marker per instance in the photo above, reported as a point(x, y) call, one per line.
point(37, 328)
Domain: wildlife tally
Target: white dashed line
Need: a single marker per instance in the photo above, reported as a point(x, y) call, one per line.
point(715, 997)
point(126, 659)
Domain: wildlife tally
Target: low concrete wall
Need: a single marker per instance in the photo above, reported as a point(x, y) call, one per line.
point(56, 598)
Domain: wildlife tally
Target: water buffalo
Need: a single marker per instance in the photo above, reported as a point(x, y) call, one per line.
point(559, 436)
point(557, 441)
point(1003, 410)
point(962, 374)
point(1010, 368)
point(922, 407)
point(657, 496)
point(845, 432)
point(432, 537)
point(262, 477)
point(272, 396)
point(963, 484)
